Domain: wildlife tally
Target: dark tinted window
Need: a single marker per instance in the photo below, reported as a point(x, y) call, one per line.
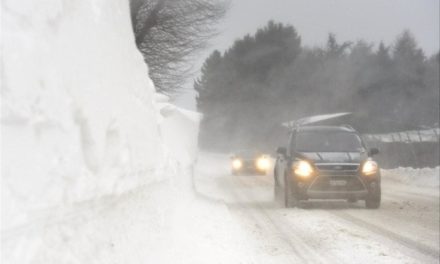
point(325, 141)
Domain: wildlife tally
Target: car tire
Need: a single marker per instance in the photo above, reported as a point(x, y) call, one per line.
point(277, 194)
point(373, 199)
point(290, 199)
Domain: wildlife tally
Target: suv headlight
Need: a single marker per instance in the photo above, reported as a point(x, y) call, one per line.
point(303, 168)
point(370, 167)
point(263, 163)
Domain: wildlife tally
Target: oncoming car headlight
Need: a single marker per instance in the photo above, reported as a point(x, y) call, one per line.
point(237, 164)
point(303, 168)
point(263, 163)
point(370, 167)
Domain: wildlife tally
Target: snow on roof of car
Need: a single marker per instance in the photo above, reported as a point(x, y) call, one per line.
point(343, 128)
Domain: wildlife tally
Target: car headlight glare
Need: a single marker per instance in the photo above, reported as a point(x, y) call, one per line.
point(370, 167)
point(303, 168)
point(237, 164)
point(263, 163)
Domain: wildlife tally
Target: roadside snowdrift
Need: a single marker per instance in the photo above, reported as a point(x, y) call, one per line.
point(78, 119)
point(424, 177)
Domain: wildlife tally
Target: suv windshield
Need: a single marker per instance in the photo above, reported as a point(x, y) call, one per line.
point(248, 153)
point(327, 141)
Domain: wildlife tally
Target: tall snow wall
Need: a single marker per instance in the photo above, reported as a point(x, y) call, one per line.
point(79, 115)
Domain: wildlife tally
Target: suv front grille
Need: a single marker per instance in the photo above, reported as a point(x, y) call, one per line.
point(330, 173)
point(248, 163)
point(337, 167)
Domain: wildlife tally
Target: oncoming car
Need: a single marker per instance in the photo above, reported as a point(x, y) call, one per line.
point(250, 162)
point(327, 162)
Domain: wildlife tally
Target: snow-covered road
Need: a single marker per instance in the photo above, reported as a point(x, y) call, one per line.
point(205, 215)
point(404, 230)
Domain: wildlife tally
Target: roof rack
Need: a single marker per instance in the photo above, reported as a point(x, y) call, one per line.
point(348, 126)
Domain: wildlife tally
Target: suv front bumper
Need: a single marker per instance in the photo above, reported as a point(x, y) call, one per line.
point(336, 194)
point(355, 185)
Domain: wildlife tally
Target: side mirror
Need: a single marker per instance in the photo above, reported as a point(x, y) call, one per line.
point(373, 151)
point(282, 151)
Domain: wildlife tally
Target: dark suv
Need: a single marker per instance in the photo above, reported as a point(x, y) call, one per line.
point(327, 162)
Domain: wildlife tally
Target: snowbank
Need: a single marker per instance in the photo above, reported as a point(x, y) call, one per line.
point(92, 159)
point(78, 119)
point(427, 135)
point(82, 129)
point(424, 177)
point(179, 129)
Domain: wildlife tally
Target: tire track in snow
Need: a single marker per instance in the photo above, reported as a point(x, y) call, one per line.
point(285, 230)
point(267, 226)
point(380, 231)
point(276, 224)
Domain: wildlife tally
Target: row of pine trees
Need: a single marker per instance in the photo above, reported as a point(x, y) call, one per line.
point(267, 78)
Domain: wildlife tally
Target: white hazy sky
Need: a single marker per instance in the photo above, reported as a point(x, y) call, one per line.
point(350, 20)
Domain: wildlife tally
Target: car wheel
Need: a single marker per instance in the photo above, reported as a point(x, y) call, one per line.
point(276, 192)
point(290, 199)
point(373, 199)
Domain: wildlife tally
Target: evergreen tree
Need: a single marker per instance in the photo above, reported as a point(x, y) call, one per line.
point(269, 78)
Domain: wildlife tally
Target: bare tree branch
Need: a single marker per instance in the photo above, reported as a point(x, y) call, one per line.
point(169, 33)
